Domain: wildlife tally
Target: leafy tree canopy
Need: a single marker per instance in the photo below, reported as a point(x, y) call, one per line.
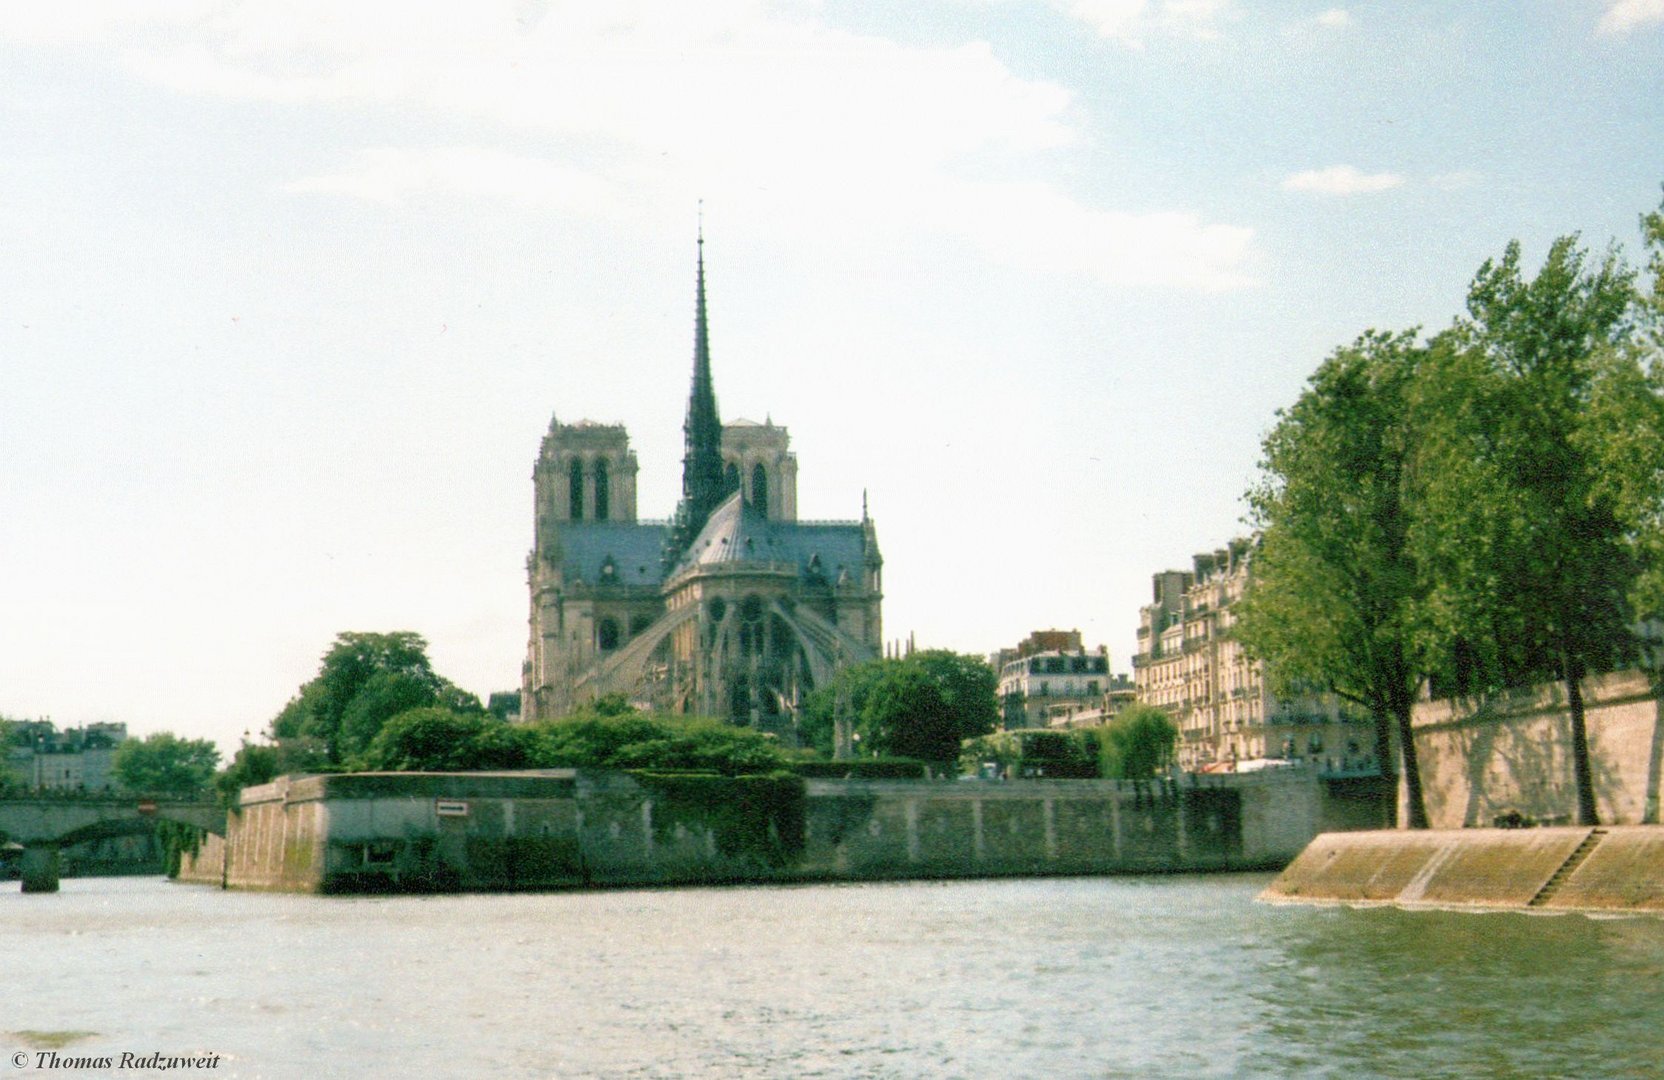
point(1549, 476)
point(165, 764)
point(845, 696)
point(438, 739)
point(921, 706)
point(607, 735)
point(252, 765)
point(610, 735)
point(364, 680)
point(1337, 600)
point(1035, 752)
point(259, 763)
point(1485, 510)
point(1138, 744)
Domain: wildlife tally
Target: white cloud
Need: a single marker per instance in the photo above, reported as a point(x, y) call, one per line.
point(1622, 16)
point(94, 21)
point(1340, 180)
point(644, 103)
point(1036, 227)
point(393, 176)
point(1131, 21)
point(1335, 19)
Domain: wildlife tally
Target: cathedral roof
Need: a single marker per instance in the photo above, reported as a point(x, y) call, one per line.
point(738, 532)
point(634, 549)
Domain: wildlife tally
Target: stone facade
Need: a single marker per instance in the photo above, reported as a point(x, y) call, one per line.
point(1120, 694)
point(1189, 665)
point(78, 759)
point(1050, 674)
point(732, 608)
point(1511, 752)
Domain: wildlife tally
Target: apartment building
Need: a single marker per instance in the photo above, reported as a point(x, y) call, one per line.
point(1189, 665)
point(1050, 673)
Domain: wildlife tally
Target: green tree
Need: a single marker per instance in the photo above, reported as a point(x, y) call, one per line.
point(436, 739)
point(1336, 600)
point(1637, 485)
point(253, 764)
point(165, 764)
point(364, 680)
point(1547, 477)
point(1027, 752)
point(844, 696)
point(999, 749)
point(9, 778)
point(969, 688)
point(906, 714)
point(601, 738)
point(1138, 744)
point(382, 696)
point(924, 704)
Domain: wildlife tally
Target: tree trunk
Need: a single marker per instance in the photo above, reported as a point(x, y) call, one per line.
point(1383, 756)
point(1401, 708)
point(1586, 812)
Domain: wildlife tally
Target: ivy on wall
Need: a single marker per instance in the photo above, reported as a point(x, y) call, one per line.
point(758, 817)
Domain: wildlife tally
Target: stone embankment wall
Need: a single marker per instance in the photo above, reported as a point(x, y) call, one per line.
point(1552, 869)
point(1512, 752)
point(573, 829)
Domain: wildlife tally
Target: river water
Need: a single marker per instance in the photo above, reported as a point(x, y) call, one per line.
point(1086, 977)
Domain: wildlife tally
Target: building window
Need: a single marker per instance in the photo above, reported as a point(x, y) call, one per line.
point(575, 490)
point(603, 492)
point(759, 489)
point(606, 634)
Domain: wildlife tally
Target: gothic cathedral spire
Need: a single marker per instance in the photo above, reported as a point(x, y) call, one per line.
point(703, 485)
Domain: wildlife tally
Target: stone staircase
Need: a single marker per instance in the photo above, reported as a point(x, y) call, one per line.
point(1567, 868)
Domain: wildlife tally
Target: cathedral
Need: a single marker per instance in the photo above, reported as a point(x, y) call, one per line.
point(733, 608)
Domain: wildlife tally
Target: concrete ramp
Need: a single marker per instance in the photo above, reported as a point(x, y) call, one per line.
point(1624, 872)
point(1360, 866)
point(1562, 868)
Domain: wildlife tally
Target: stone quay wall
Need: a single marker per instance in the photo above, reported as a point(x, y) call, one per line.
point(557, 829)
point(1512, 752)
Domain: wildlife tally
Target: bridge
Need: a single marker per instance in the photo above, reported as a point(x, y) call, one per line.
point(43, 824)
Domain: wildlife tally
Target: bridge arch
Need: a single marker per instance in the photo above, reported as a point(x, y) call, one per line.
point(42, 825)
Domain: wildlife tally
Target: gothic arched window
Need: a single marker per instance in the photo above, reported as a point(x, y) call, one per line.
point(603, 492)
point(607, 635)
point(575, 490)
point(730, 479)
point(759, 489)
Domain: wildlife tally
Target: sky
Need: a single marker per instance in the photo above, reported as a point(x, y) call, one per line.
point(290, 292)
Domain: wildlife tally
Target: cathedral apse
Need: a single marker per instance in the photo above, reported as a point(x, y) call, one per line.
point(731, 608)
